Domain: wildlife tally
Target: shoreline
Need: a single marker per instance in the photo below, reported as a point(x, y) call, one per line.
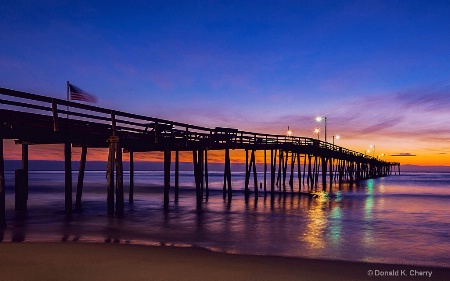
point(110, 261)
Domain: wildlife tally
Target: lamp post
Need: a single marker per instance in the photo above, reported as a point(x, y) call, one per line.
point(336, 137)
point(373, 146)
point(318, 119)
point(317, 131)
point(289, 132)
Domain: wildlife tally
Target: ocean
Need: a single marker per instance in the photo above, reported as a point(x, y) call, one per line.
point(395, 219)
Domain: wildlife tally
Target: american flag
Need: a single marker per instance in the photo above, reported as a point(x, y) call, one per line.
point(78, 94)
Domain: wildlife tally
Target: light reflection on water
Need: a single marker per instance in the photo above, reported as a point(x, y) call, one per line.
point(402, 219)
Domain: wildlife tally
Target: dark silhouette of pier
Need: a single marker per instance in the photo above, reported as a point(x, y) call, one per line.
point(33, 119)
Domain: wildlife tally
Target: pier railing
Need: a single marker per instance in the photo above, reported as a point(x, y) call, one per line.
point(63, 115)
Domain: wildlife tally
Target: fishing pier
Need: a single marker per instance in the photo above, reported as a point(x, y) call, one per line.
point(32, 119)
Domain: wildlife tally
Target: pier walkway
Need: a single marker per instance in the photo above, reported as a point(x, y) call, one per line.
point(33, 119)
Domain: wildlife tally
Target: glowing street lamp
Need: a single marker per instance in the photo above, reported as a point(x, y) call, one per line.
point(336, 137)
point(289, 132)
point(319, 119)
point(317, 131)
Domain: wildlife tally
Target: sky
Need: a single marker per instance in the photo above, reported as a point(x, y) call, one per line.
point(378, 70)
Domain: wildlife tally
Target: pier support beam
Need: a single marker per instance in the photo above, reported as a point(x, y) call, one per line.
point(227, 176)
point(167, 159)
point(81, 176)
point(273, 166)
point(25, 166)
point(110, 177)
point(206, 174)
point(324, 173)
point(255, 176)
point(291, 176)
point(177, 171)
point(20, 190)
point(247, 176)
point(299, 172)
point(119, 180)
point(131, 191)
point(2, 186)
point(68, 176)
point(265, 172)
point(198, 174)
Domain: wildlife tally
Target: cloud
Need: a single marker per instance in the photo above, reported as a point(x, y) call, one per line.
point(403, 154)
point(426, 98)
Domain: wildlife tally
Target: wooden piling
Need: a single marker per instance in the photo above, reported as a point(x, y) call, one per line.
point(273, 163)
point(247, 176)
point(25, 166)
point(119, 180)
point(255, 176)
point(299, 172)
point(280, 168)
point(331, 172)
point(285, 163)
point(324, 173)
point(81, 176)
point(20, 190)
point(131, 190)
point(206, 174)
point(177, 168)
point(228, 173)
point(201, 169)
point(2, 186)
point(265, 171)
point(291, 176)
point(110, 177)
point(198, 176)
point(309, 177)
point(68, 177)
point(167, 159)
point(111, 163)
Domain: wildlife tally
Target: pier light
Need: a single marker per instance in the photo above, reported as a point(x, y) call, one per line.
point(289, 132)
point(373, 146)
point(319, 119)
point(317, 131)
point(336, 137)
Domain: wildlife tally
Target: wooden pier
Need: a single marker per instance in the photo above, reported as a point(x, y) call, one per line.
point(34, 119)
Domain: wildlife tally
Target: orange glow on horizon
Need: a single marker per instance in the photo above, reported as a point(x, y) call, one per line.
point(55, 152)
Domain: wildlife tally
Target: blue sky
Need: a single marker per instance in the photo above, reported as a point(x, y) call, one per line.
point(379, 70)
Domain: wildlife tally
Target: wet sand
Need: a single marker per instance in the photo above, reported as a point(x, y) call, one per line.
point(82, 261)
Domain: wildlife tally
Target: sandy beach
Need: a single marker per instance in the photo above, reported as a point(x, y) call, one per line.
point(82, 261)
